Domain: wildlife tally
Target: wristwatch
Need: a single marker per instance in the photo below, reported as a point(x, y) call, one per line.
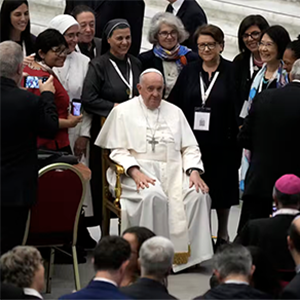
point(189, 171)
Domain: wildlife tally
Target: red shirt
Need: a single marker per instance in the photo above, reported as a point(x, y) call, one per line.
point(62, 104)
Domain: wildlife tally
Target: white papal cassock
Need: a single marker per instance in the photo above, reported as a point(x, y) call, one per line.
point(170, 208)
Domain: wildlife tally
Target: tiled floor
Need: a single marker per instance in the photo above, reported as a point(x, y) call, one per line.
point(185, 285)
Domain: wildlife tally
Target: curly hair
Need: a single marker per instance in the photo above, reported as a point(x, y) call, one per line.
point(19, 265)
point(168, 19)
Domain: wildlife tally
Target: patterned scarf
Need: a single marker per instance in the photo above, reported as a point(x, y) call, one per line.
point(177, 54)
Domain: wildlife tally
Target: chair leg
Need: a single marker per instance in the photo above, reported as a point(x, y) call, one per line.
point(106, 222)
point(75, 267)
point(50, 270)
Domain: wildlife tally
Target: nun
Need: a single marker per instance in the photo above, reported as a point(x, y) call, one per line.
point(72, 76)
point(111, 79)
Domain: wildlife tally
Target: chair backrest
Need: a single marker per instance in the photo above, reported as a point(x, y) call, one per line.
point(61, 191)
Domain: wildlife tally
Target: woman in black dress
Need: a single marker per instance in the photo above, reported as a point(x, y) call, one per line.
point(111, 79)
point(205, 92)
point(15, 24)
point(248, 62)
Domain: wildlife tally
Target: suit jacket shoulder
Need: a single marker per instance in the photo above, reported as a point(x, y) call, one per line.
point(292, 290)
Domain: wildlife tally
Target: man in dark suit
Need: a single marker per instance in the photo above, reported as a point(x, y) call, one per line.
point(111, 257)
point(292, 290)
point(233, 269)
point(156, 259)
point(270, 234)
point(24, 117)
point(191, 15)
point(106, 10)
point(270, 132)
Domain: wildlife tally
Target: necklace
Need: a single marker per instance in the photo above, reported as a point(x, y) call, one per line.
point(152, 142)
point(265, 80)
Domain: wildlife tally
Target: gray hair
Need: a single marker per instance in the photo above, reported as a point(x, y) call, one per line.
point(295, 73)
point(11, 56)
point(168, 19)
point(156, 257)
point(234, 259)
point(19, 265)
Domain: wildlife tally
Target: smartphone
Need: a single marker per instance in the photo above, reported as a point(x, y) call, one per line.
point(32, 82)
point(76, 107)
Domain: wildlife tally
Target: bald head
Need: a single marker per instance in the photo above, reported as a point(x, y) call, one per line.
point(11, 59)
point(151, 88)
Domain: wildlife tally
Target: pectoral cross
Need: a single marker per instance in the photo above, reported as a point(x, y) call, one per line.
point(153, 142)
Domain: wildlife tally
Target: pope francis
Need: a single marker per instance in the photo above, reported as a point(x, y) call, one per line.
point(162, 188)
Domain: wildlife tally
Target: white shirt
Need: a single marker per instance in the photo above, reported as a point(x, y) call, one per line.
point(105, 280)
point(32, 292)
point(286, 211)
point(176, 6)
point(296, 80)
point(236, 282)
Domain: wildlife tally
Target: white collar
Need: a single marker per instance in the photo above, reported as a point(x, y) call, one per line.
point(105, 280)
point(176, 6)
point(296, 80)
point(236, 282)
point(286, 211)
point(32, 292)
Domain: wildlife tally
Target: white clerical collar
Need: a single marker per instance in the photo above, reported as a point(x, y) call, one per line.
point(236, 282)
point(296, 80)
point(286, 211)
point(32, 292)
point(105, 280)
point(176, 6)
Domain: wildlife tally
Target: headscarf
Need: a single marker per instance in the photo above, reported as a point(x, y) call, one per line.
point(108, 31)
point(62, 23)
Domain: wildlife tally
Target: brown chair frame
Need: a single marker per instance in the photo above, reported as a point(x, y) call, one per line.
point(43, 171)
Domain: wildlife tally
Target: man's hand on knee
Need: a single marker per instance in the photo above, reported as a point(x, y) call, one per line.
point(140, 178)
point(198, 182)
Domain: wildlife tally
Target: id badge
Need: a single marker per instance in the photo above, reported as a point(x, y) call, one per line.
point(244, 111)
point(202, 119)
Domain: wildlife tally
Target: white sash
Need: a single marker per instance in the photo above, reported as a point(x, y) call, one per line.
point(130, 84)
point(205, 94)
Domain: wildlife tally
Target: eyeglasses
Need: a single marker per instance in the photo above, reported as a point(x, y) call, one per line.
point(266, 44)
point(210, 46)
point(254, 35)
point(165, 34)
point(72, 36)
point(60, 51)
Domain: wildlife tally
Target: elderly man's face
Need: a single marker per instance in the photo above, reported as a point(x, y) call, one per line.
point(151, 89)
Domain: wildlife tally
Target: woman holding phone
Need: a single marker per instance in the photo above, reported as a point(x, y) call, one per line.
point(52, 50)
point(15, 24)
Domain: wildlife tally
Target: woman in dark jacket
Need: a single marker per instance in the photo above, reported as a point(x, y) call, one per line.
point(168, 56)
point(15, 24)
point(248, 62)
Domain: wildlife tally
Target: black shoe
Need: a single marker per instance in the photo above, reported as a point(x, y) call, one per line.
point(220, 242)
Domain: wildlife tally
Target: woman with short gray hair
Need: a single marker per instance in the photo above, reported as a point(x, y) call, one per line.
point(23, 267)
point(168, 56)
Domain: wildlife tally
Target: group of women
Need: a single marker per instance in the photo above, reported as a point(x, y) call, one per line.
point(201, 84)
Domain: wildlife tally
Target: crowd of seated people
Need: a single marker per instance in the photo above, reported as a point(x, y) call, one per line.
point(196, 118)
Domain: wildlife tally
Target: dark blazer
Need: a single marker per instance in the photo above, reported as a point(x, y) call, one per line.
point(97, 44)
point(234, 291)
point(292, 290)
point(97, 290)
point(146, 288)
point(24, 117)
point(192, 16)
point(270, 235)
point(9, 292)
point(106, 10)
point(243, 81)
point(271, 132)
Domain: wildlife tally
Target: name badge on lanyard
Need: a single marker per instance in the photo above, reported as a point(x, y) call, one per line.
point(202, 114)
point(128, 84)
